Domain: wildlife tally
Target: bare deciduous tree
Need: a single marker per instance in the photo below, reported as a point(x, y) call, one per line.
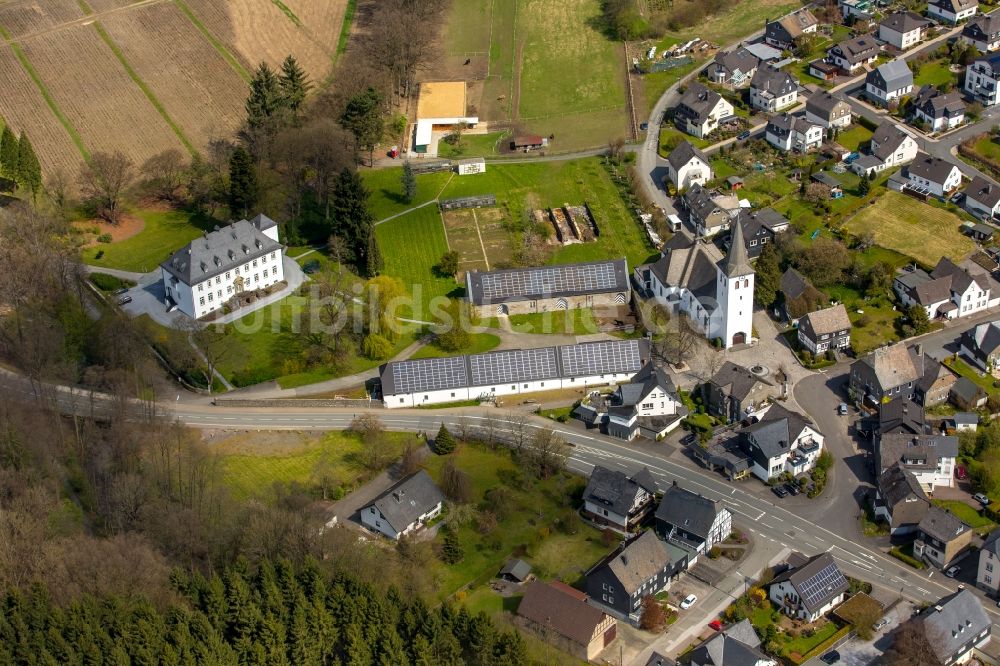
point(164, 174)
point(104, 181)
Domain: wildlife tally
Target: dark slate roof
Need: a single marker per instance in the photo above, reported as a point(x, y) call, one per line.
point(856, 49)
point(954, 6)
point(923, 288)
point(826, 179)
point(942, 525)
point(905, 22)
point(933, 169)
point(793, 284)
point(992, 542)
point(648, 378)
point(960, 278)
point(688, 510)
point(222, 250)
point(966, 390)
point(888, 137)
point(986, 337)
point(953, 622)
point(408, 499)
point(893, 365)
point(684, 153)
point(657, 659)
point(984, 27)
point(737, 263)
point(528, 284)
point(638, 561)
point(562, 609)
point(897, 484)
point(984, 192)
point(697, 102)
point(892, 75)
point(897, 447)
point(615, 490)
point(823, 104)
point(735, 380)
point(936, 104)
point(737, 645)
point(901, 415)
point(516, 569)
point(816, 581)
point(739, 60)
point(775, 81)
point(779, 427)
point(792, 25)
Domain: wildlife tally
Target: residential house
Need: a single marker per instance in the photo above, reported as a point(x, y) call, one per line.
point(896, 416)
point(891, 145)
point(723, 454)
point(214, 269)
point(988, 572)
point(941, 537)
point(638, 568)
point(734, 392)
point(809, 587)
point(825, 329)
point(955, 626)
point(736, 645)
point(899, 500)
point(933, 175)
point(982, 78)
point(888, 82)
point(983, 32)
point(687, 166)
point(964, 422)
point(773, 89)
point(852, 54)
point(823, 70)
point(966, 394)
point(787, 133)
point(903, 29)
point(700, 110)
point(781, 441)
point(782, 33)
point(692, 519)
point(828, 110)
point(952, 11)
point(647, 405)
point(657, 659)
point(899, 371)
point(939, 111)
point(733, 68)
point(760, 227)
point(619, 501)
point(929, 457)
point(562, 616)
point(798, 295)
point(982, 199)
point(859, 9)
point(950, 291)
point(981, 345)
point(515, 571)
point(709, 213)
point(405, 507)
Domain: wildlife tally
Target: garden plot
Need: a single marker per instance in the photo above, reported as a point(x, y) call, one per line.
point(196, 86)
point(33, 17)
point(105, 106)
point(24, 109)
point(479, 237)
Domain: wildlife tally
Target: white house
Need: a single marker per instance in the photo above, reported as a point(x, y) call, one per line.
point(983, 32)
point(982, 80)
point(781, 441)
point(939, 111)
point(773, 89)
point(700, 110)
point(949, 291)
point(828, 111)
point(405, 507)
point(687, 166)
point(852, 54)
point(809, 588)
point(934, 175)
point(891, 146)
point(787, 133)
point(856, 8)
point(733, 68)
point(903, 29)
point(714, 292)
point(952, 11)
point(692, 519)
point(988, 571)
point(982, 198)
point(648, 406)
point(959, 626)
point(889, 82)
point(931, 458)
point(208, 272)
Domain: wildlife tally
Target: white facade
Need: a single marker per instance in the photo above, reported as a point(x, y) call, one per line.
point(835, 123)
point(641, 498)
point(373, 519)
point(941, 124)
point(780, 591)
point(942, 476)
point(723, 109)
point(796, 139)
point(988, 572)
point(980, 210)
point(695, 172)
point(901, 40)
point(938, 189)
point(471, 166)
point(800, 458)
point(944, 13)
point(982, 81)
point(765, 101)
point(886, 96)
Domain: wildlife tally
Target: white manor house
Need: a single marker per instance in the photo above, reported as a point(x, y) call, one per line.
point(242, 257)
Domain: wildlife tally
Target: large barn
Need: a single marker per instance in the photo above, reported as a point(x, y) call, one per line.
point(548, 288)
point(429, 381)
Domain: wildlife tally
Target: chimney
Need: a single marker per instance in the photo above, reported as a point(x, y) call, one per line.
point(920, 349)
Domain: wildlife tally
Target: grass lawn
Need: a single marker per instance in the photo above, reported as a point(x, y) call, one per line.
point(671, 137)
point(386, 188)
point(163, 233)
point(916, 229)
point(468, 27)
point(739, 19)
point(874, 326)
point(854, 137)
point(934, 74)
point(965, 370)
point(473, 145)
point(569, 322)
point(987, 147)
point(802, 644)
point(481, 342)
point(251, 468)
point(966, 514)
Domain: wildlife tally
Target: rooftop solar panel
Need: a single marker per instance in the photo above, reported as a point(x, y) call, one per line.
point(601, 358)
point(818, 588)
point(513, 366)
point(429, 374)
point(550, 280)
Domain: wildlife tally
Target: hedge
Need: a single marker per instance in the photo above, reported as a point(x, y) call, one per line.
point(106, 282)
point(825, 645)
point(903, 557)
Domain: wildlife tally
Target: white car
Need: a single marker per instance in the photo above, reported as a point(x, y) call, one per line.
point(689, 601)
point(952, 572)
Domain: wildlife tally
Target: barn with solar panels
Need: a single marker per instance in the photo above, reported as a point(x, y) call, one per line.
point(429, 381)
point(809, 587)
point(548, 288)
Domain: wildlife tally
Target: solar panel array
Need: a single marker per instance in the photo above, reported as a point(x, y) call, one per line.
point(817, 589)
point(513, 366)
point(600, 358)
point(429, 374)
point(551, 280)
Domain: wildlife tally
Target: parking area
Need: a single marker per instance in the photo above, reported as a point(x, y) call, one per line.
point(856, 652)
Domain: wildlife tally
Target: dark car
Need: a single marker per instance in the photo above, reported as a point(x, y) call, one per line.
point(122, 300)
point(792, 488)
point(689, 438)
point(120, 290)
point(743, 136)
point(831, 657)
point(780, 491)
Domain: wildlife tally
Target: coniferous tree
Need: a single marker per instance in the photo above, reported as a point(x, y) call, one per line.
point(451, 549)
point(242, 182)
point(8, 153)
point(364, 119)
point(265, 102)
point(409, 182)
point(767, 276)
point(295, 84)
point(373, 255)
point(445, 442)
point(352, 220)
point(28, 168)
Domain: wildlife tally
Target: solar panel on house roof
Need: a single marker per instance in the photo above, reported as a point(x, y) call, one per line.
point(513, 366)
point(600, 358)
point(817, 589)
point(429, 374)
point(551, 280)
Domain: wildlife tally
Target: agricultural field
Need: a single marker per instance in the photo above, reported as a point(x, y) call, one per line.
point(918, 230)
point(478, 235)
point(23, 19)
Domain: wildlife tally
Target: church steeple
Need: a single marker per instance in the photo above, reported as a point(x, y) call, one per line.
point(736, 262)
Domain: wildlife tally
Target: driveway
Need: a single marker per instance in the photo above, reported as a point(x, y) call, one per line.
point(856, 652)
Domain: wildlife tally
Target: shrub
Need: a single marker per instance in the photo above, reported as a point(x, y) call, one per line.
point(104, 238)
point(376, 347)
point(106, 282)
point(714, 553)
point(907, 559)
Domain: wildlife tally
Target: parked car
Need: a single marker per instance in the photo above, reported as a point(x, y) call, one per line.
point(957, 198)
point(881, 623)
point(689, 439)
point(831, 657)
point(120, 290)
point(961, 473)
point(743, 136)
point(780, 491)
point(981, 498)
point(952, 572)
point(792, 488)
point(122, 300)
point(842, 409)
point(689, 601)
point(716, 624)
